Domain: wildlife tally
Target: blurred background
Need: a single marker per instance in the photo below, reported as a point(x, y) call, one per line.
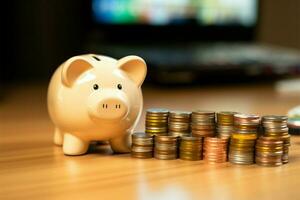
point(183, 41)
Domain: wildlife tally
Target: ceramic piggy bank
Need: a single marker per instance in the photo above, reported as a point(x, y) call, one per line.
point(95, 97)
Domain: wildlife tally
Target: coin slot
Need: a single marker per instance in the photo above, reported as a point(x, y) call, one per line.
point(96, 58)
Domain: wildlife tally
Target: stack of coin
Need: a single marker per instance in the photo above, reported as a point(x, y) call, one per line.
point(275, 127)
point(269, 151)
point(225, 125)
point(179, 123)
point(142, 145)
point(157, 121)
point(242, 142)
point(215, 149)
point(190, 148)
point(165, 147)
point(203, 123)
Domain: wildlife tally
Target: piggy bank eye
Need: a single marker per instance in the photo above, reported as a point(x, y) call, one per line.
point(95, 86)
point(119, 86)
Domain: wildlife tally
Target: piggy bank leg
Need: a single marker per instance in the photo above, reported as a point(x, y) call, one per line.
point(121, 144)
point(58, 137)
point(74, 146)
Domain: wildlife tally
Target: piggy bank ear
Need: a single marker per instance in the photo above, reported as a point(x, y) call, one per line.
point(73, 68)
point(135, 67)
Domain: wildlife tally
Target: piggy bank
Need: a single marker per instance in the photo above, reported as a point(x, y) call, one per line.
point(96, 98)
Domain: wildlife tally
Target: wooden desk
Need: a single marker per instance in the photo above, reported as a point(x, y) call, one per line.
point(31, 167)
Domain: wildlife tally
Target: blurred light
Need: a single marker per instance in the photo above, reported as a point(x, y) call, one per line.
point(158, 12)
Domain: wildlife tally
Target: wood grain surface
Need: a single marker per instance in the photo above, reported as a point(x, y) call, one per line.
point(31, 167)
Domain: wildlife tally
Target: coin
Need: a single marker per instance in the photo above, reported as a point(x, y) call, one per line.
point(275, 118)
point(242, 142)
point(275, 128)
point(225, 118)
point(269, 152)
point(179, 123)
point(190, 148)
point(142, 155)
point(166, 147)
point(142, 145)
point(246, 119)
point(251, 136)
point(215, 150)
point(158, 111)
point(203, 123)
point(156, 121)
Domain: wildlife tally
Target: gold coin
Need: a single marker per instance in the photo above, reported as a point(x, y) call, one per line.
point(244, 136)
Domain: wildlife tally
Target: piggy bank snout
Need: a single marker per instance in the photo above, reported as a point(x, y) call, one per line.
point(112, 108)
